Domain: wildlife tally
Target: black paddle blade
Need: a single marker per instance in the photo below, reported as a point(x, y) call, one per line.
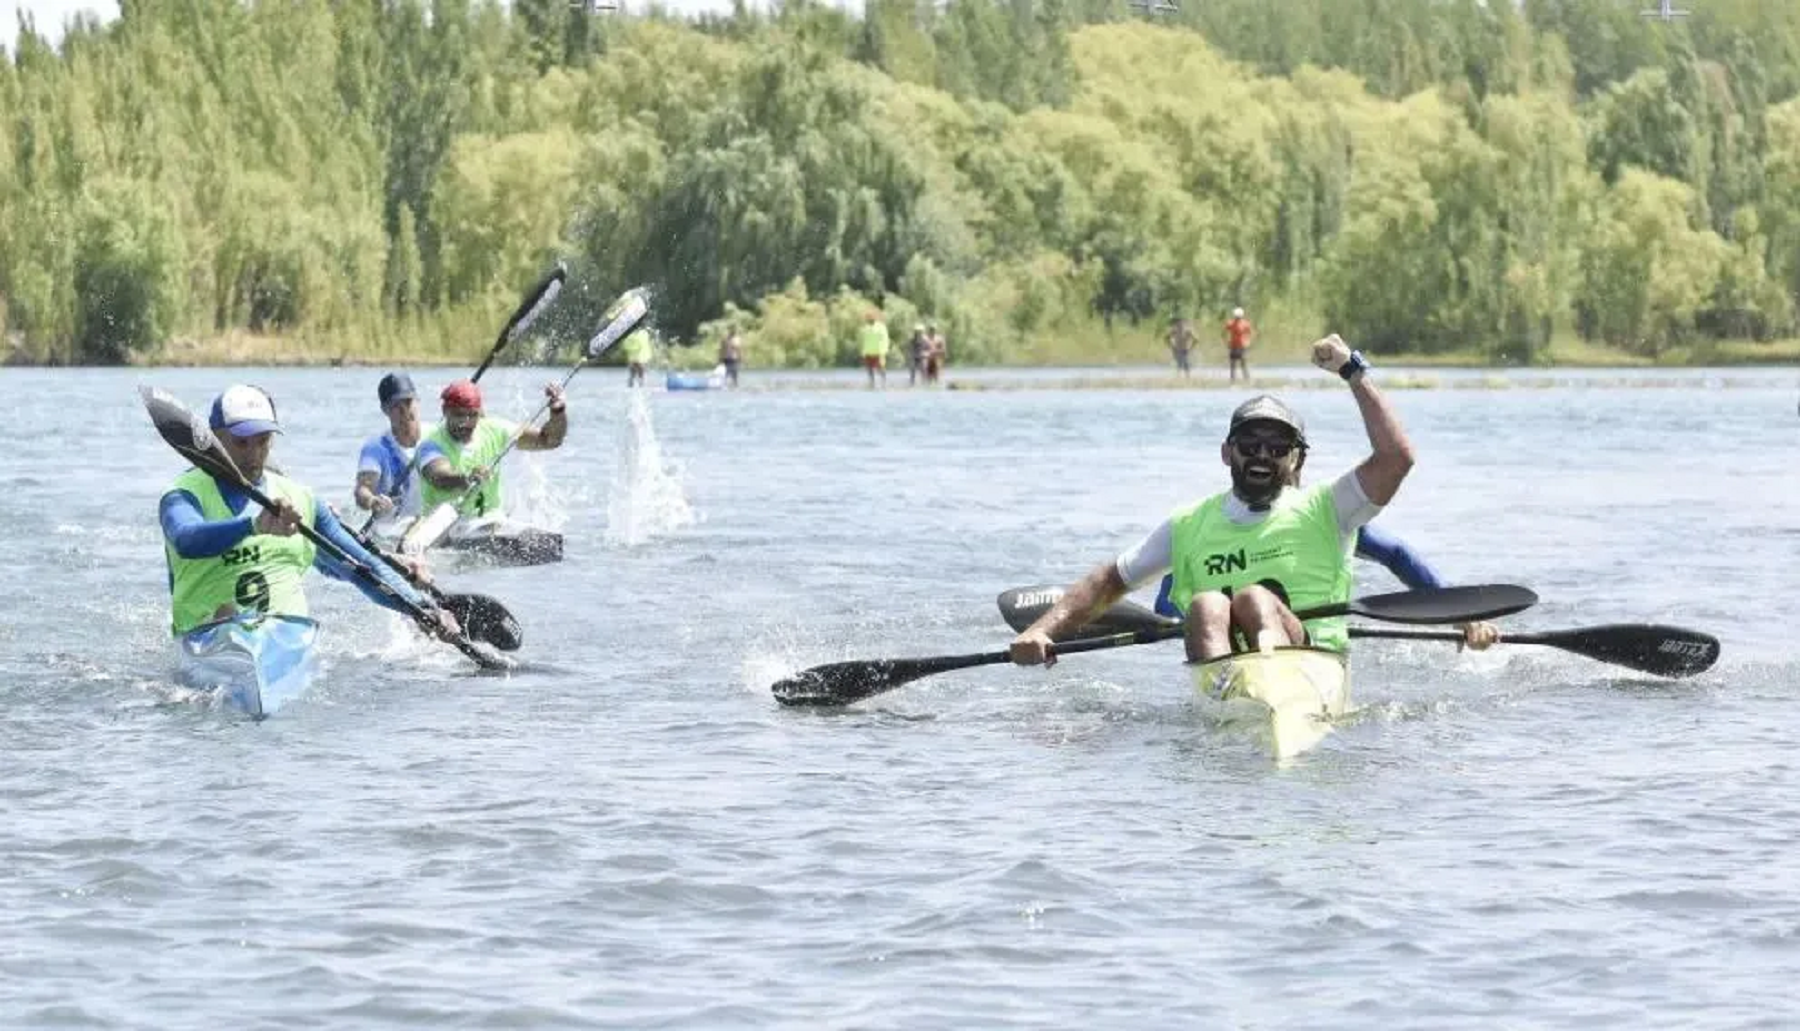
point(484, 619)
point(1665, 651)
point(177, 424)
point(1441, 605)
point(842, 683)
point(183, 429)
point(1023, 606)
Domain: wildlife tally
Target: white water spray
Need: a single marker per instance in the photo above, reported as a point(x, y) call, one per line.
point(647, 499)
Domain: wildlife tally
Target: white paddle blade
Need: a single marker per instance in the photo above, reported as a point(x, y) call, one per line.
point(621, 318)
point(428, 530)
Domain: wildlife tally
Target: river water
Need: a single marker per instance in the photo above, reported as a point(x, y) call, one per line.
point(631, 833)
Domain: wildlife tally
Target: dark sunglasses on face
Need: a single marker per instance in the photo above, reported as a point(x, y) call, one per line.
point(1251, 447)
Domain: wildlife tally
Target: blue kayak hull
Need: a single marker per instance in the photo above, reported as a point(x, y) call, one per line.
point(254, 663)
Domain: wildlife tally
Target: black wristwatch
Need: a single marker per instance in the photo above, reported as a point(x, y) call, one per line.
point(1353, 369)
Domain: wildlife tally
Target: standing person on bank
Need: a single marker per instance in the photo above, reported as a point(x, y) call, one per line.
point(638, 349)
point(937, 355)
point(873, 343)
point(1181, 343)
point(1238, 333)
point(918, 348)
point(731, 355)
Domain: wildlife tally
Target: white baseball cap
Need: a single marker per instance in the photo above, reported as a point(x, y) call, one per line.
point(244, 411)
point(1237, 313)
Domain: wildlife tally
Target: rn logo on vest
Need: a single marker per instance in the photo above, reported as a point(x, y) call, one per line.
point(239, 556)
point(1230, 562)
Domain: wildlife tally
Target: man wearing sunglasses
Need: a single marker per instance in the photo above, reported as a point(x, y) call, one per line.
point(1245, 559)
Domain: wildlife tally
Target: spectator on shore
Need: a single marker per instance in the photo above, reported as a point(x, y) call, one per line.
point(918, 348)
point(874, 345)
point(937, 354)
point(639, 349)
point(1181, 343)
point(1238, 334)
point(731, 355)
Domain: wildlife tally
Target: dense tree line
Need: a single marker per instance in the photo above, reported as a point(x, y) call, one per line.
point(1422, 175)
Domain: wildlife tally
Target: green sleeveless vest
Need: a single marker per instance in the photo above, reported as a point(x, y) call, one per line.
point(1297, 545)
point(261, 574)
point(490, 438)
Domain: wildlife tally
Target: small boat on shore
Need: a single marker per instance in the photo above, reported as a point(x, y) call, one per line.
point(715, 380)
point(256, 663)
point(1286, 697)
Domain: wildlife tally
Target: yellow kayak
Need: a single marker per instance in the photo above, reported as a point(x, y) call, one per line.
point(1287, 696)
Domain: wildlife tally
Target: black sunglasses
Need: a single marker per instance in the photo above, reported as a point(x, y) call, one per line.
point(1251, 447)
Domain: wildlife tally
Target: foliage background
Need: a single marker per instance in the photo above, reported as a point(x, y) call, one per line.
point(1049, 180)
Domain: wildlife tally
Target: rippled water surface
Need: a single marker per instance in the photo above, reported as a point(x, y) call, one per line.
point(631, 833)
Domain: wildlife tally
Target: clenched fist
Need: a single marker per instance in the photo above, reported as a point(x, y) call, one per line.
point(1330, 353)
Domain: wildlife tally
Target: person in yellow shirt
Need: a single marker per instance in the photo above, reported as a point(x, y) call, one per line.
point(874, 345)
point(638, 349)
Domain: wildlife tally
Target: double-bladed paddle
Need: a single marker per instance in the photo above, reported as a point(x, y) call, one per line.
point(189, 435)
point(621, 318)
point(1665, 651)
point(841, 683)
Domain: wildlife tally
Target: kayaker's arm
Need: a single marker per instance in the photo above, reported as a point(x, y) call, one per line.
point(1393, 553)
point(549, 436)
point(326, 523)
point(1079, 606)
point(1392, 455)
point(187, 529)
point(437, 472)
point(369, 465)
point(367, 497)
point(1083, 602)
point(1412, 570)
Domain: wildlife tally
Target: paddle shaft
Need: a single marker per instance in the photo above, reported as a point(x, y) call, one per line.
point(466, 603)
point(367, 576)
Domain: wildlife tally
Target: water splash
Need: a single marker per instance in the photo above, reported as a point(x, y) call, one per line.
point(647, 498)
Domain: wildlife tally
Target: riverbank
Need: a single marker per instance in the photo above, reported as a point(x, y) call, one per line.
point(437, 346)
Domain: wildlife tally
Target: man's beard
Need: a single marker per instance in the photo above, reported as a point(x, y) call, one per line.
point(1257, 492)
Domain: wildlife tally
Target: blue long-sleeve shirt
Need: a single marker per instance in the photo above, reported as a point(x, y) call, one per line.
point(189, 532)
point(1375, 545)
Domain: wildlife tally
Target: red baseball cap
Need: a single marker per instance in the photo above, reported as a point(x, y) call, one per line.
point(462, 394)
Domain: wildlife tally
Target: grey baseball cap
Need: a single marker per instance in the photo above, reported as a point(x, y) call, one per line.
point(1264, 408)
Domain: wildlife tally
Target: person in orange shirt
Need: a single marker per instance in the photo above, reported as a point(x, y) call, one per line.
point(1237, 341)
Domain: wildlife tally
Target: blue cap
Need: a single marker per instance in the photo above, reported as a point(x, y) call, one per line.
point(395, 386)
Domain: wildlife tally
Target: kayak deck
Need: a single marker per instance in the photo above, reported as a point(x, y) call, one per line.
point(1287, 697)
point(489, 540)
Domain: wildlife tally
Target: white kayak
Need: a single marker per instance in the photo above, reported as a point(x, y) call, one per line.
point(495, 540)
